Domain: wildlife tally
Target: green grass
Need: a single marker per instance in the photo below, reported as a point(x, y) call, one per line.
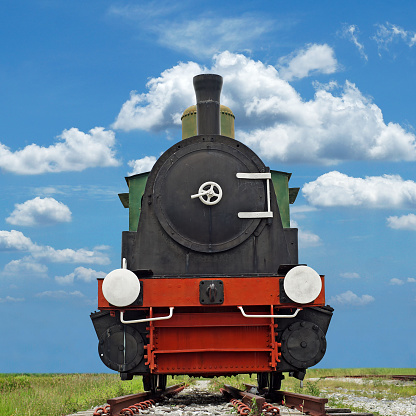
point(62, 394)
point(318, 383)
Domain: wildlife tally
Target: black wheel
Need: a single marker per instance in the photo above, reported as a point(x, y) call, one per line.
point(147, 384)
point(262, 381)
point(150, 382)
point(272, 381)
point(275, 381)
point(163, 378)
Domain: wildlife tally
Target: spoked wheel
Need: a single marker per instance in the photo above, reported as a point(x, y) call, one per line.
point(272, 381)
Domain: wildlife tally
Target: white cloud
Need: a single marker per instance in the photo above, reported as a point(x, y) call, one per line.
point(350, 298)
point(306, 238)
point(158, 109)
point(11, 299)
point(351, 33)
point(198, 36)
point(389, 33)
point(313, 59)
point(411, 280)
point(300, 209)
point(337, 189)
point(60, 294)
point(405, 222)
point(17, 241)
point(141, 165)
point(205, 36)
point(397, 282)
point(75, 151)
point(27, 266)
point(80, 273)
point(338, 124)
point(47, 191)
point(350, 275)
point(39, 211)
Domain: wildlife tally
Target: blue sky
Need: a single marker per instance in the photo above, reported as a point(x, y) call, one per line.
point(92, 92)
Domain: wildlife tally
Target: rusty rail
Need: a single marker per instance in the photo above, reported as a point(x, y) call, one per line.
point(132, 403)
point(248, 403)
point(314, 406)
point(251, 400)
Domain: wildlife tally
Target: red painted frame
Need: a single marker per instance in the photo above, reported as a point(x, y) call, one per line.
point(212, 339)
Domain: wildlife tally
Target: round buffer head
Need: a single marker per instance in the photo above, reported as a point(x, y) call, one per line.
point(302, 284)
point(121, 287)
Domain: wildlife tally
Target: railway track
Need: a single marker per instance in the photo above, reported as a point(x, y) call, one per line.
point(197, 400)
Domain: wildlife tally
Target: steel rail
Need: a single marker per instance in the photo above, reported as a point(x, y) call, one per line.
point(118, 404)
point(314, 406)
point(251, 400)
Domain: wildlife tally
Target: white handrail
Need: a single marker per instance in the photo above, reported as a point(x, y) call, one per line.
point(268, 316)
point(137, 321)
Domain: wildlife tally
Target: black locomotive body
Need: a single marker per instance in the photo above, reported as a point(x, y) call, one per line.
point(210, 282)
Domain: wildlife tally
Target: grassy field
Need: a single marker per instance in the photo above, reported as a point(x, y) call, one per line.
point(319, 382)
point(61, 394)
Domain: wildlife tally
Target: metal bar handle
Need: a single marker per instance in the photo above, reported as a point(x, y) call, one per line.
point(137, 321)
point(268, 316)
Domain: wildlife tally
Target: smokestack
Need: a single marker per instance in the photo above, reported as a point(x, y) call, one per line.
point(208, 91)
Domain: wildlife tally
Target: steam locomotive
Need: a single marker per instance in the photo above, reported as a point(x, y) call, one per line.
point(210, 283)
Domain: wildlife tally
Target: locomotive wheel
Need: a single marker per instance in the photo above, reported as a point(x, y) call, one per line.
point(272, 381)
point(275, 381)
point(163, 378)
point(262, 380)
point(149, 382)
point(153, 382)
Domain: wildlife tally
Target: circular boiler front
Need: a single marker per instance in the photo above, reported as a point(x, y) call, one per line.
point(185, 214)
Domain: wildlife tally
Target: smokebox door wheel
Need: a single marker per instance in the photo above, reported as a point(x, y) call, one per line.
point(210, 193)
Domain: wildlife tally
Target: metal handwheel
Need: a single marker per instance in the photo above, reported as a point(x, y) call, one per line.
point(210, 193)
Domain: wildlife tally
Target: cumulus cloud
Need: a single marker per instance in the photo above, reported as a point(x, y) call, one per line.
point(337, 189)
point(39, 211)
point(411, 280)
point(350, 32)
point(158, 109)
point(141, 165)
point(338, 124)
point(27, 266)
point(350, 298)
point(389, 34)
point(80, 273)
point(405, 222)
point(16, 241)
point(350, 275)
point(75, 151)
point(310, 60)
